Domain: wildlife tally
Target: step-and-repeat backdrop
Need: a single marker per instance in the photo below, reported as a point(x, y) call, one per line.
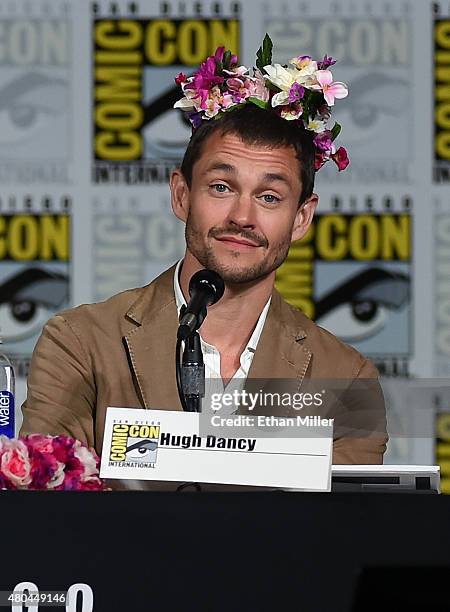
point(88, 139)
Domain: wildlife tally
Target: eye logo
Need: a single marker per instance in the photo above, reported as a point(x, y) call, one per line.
point(134, 444)
point(27, 300)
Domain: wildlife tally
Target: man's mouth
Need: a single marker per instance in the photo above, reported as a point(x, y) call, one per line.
point(236, 242)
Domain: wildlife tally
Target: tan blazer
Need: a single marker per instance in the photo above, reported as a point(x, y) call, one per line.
point(121, 352)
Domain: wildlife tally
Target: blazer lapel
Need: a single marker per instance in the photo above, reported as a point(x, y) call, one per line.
point(151, 346)
point(281, 360)
point(280, 352)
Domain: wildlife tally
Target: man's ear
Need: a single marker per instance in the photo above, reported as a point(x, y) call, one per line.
point(179, 191)
point(304, 217)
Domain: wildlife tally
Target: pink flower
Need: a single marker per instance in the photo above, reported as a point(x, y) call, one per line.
point(237, 71)
point(15, 464)
point(94, 484)
point(48, 462)
point(38, 442)
point(320, 159)
point(330, 89)
point(341, 158)
point(218, 55)
point(206, 78)
point(180, 78)
point(257, 87)
point(43, 469)
point(220, 52)
point(238, 89)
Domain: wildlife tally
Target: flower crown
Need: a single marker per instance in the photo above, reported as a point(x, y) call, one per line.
point(302, 91)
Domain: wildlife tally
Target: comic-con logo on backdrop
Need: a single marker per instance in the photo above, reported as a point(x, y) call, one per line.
point(34, 273)
point(442, 445)
point(441, 287)
point(137, 136)
point(352, 275)
point(132, 241)
point(441, 64)
point(375, 59)
point(35, 116)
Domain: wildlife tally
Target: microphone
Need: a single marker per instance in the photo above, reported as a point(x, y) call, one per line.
point(205, 289)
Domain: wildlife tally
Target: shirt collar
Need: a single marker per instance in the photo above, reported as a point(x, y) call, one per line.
point(254, 338)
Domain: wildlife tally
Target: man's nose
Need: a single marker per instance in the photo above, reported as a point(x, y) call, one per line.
point(242, 213)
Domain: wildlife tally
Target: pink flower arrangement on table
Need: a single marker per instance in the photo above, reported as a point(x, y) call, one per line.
point(302, 90)
point(40, 462)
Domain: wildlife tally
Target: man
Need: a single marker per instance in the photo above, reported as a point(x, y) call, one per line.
point(245, 192)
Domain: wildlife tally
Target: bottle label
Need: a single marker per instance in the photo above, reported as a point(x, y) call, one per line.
point(7, 425)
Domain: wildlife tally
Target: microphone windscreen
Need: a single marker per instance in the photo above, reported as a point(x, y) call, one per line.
point(209, 281)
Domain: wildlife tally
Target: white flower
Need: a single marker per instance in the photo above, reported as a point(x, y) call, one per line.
point(283, 78)
point(305, 66)
point(58, 477)
point(184, 104)
point(316, 125)
point(87, 459)
point(280, 99)
point(292, 113)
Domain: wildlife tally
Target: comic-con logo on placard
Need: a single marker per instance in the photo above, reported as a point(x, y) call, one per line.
point(374, 58)
point(35, 96)
point(34, 273)
point(441, 115)
point(138, 138)
point(134, 445)
point(352, 275)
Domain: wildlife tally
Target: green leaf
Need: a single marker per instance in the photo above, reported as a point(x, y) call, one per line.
point(258, 102)
point(335, 131)
point(272, 87)
point(264, 54)
point(219, 66)
point(226, 59)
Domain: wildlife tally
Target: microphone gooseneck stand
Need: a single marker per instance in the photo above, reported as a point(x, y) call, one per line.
point(205, 288)
point(190, 370)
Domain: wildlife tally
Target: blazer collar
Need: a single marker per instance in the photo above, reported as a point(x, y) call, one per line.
point(151, 345)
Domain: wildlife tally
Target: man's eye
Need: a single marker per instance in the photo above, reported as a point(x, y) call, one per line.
point(219, 188)
point(270, 199)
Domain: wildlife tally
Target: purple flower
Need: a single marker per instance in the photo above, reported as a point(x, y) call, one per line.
point(326, 62)
point(195, 118)
point(218, 55)
point(296, 93)
point(63, 448)
point(323, 141)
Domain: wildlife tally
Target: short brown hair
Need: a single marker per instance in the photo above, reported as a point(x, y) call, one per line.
point(257, 126)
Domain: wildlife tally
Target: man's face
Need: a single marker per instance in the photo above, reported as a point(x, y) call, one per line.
point(242, 208)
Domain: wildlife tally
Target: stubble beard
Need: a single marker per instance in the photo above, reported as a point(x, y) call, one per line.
point(205, 254)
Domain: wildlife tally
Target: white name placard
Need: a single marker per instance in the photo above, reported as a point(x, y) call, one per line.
point(166, 445)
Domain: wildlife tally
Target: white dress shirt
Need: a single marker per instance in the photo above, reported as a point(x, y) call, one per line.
point(211, 355)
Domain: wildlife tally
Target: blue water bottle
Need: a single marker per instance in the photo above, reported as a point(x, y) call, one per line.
point(7, 393)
